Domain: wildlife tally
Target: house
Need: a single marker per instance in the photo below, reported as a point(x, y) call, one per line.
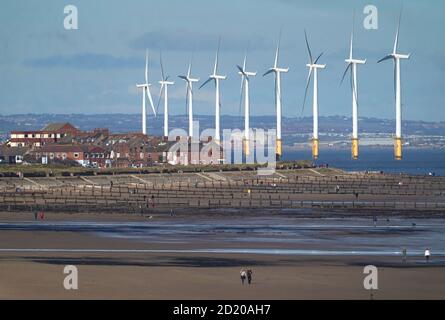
point(185, 153)
point(52, 133)
point(97, 157)
point(55, 152)
point(12, 155)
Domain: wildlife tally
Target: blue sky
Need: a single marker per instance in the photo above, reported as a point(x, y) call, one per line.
point(47, 69)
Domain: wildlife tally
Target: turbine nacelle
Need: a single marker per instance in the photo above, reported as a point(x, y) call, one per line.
point(166, 83)
point(401, 56)
point(214, 76)
point(276, 70)
point(247, 73)
point(315, 66)
point(355, 61)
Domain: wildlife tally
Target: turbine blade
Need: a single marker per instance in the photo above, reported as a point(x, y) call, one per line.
point(183, 78)
point(353, 88)
point(189, 69)
point(396, 41)
point(308, 81)
point(151, 100)
point(352, 34)
point(316, 60)
point(215, 69)
point(350, 48)
point(277, 52)
point(268, 72)
point(241, 70)
point(207, 81)
point(395, 79)
point(187, 99)
point(161, 94)
point(389, 56)
point(308, 48)
point(162, 67)
point(241, 96)
point(344, 74)
point(146, 67)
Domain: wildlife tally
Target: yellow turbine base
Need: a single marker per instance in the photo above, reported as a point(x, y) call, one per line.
point(278, 149)
point(246, 147)
point(354, 149)
point(398, 148)
point(315, 149)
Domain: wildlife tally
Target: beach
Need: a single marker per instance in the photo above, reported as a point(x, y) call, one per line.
point(199, 257)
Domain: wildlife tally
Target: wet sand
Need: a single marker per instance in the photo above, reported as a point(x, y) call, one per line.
point(207, 275)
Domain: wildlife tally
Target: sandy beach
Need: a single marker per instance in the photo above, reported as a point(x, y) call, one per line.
point(129, 257)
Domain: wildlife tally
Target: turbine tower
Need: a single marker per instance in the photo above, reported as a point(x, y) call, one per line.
point(164, 92)
point(398, 92)
point(313, 68)
point(146, 91)
point(245, 78)
point(277, 70)
point(215, 77)
point(189, 102)
point(352, 66)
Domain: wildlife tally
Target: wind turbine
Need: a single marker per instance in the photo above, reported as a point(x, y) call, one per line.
point(277, 70)
point(245, 90)
point(164, 92)
point(398, 92)
point(352, 66)
point(313, 68)
point(189, 103)
point(146, 91)
point(215, 77)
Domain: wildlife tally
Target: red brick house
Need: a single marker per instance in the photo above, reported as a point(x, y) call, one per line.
point(56, 152)
point(52, 133)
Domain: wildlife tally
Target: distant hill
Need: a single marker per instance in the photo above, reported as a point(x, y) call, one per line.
point(292, 127)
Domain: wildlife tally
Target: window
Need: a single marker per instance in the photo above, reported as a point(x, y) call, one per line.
point(76, 155)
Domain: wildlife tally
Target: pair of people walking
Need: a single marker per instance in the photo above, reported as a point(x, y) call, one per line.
point(246, 274)
point(427, 254)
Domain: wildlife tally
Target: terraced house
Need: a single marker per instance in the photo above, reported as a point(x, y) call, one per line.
point(50, 134)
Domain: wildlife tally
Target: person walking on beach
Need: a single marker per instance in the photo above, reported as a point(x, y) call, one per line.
point(249, 276)
point(243, 275)
point(427, 254)
point(404, 255)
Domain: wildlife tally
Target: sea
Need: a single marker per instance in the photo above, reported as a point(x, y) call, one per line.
point(415, 161)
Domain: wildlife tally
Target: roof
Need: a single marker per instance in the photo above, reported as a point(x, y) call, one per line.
point(13, 151)
point(58, 126)
point(60, 148)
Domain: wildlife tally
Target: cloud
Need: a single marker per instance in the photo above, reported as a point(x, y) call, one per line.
point(188, 40)
point(86, 61)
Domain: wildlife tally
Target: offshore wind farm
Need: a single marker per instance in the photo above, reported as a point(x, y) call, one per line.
point(273, 154)
point(246, 77)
